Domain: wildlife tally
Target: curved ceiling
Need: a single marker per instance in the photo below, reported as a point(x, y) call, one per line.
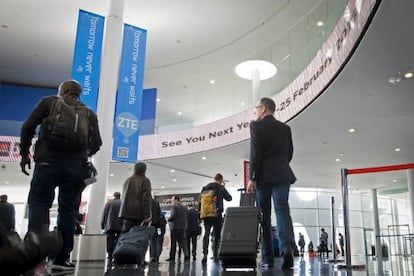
point(36, 48)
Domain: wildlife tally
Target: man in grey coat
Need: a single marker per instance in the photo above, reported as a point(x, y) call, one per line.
point(178, 227)
point(112, 224)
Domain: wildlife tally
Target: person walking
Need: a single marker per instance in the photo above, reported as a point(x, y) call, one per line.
point(341, 244)
point(301, 243)
point(270, 176)
point(178, 226)
point(136, 198)
point(323, 240)
point(7, 214)
point(111, 223)
point(193, 226)
point(214, 222)
point(156, 222)
point(69, 134)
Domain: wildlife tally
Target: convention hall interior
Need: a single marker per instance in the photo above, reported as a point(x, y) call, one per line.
point(343, 83)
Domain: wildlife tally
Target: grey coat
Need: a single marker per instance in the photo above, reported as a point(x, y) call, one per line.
point(178, 217)
point(110, 220)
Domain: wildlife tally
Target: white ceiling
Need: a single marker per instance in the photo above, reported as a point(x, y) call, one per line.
point(192, 42)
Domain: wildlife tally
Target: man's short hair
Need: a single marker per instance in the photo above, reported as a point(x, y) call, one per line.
point(176, 197)
point(140, 168)
point(70, 87)
point(218, 177)
point(3, 197)
point(268, 103)
point(117, 195)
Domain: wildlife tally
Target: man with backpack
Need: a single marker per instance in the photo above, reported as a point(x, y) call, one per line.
point(69, 134)
point(211, 209)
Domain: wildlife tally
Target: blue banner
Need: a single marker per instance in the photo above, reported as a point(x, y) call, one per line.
point(129, 97)
point(87, 56)
point(149, 106)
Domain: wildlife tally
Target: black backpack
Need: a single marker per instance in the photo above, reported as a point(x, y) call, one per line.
point(70, 127)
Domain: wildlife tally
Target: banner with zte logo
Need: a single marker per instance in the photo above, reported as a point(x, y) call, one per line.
point(129, 96)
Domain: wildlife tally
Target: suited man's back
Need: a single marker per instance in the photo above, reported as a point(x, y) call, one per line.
point(273, 151)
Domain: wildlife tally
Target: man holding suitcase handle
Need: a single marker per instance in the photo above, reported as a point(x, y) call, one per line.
point(270, 176)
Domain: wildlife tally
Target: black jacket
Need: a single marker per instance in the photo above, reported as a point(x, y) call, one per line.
point(42, 151)
point(271, 150)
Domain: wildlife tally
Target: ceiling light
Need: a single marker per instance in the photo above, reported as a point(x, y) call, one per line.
point(179, 113)
point(111, 174)
point(337, 159)
point(397, 149)
point(212, 81)
point(204, 158)
point(351, 130)
point(242, 103)
point(172, 170)
point(162, 187)
point(394, 80)
point(247, 69)
point(319, 24)
point(394, 180)
point(158, 100)
point(174, 180)
point(6, 182)
point(408, 75)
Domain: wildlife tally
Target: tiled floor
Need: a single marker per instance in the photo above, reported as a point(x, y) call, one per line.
point(302, 266)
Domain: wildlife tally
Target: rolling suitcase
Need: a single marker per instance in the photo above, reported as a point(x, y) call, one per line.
point(240, 237)
point(132, 246)
point(247, 199)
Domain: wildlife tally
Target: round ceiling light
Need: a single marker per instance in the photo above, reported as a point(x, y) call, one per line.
point(246, 69)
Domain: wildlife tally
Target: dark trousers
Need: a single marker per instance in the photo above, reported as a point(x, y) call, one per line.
point(111, 239)
point(192, 243)
point(156, 244)
point(178, 236)
point(66, 175)
point(216, 224)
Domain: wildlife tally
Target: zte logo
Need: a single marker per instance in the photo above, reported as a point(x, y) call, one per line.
point(127, 123)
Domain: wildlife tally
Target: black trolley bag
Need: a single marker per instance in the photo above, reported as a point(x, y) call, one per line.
point(132, 246)
point(239, 242)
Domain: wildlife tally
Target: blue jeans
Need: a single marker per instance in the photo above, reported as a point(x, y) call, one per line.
point(65, 174)
point(280, 194)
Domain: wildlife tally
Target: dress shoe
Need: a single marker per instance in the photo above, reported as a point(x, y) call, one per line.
point(287, 261)
point(170, 260)
point(204, 260)
point(267, 266)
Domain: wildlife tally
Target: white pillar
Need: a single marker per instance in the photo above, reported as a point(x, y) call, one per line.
point(410, 183)
point(255, 84)
point(375, 219)
point(106, 108)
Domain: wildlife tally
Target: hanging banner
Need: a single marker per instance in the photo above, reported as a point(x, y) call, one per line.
point(149, 108)
point(129, 97)
point(87, 56)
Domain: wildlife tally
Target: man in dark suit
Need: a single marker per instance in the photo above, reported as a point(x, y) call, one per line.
point(7, 213)
point(111, 223)
point(270, 177)
point(178, 226)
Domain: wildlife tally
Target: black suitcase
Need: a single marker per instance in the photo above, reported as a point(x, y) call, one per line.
point(240, 237)
point(247, 199)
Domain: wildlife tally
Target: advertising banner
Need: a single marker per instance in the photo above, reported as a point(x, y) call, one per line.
point(129, 97)
point(87, 56)
point(189, 200)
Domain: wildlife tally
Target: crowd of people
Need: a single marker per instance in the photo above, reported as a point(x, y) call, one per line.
point(63, 162)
